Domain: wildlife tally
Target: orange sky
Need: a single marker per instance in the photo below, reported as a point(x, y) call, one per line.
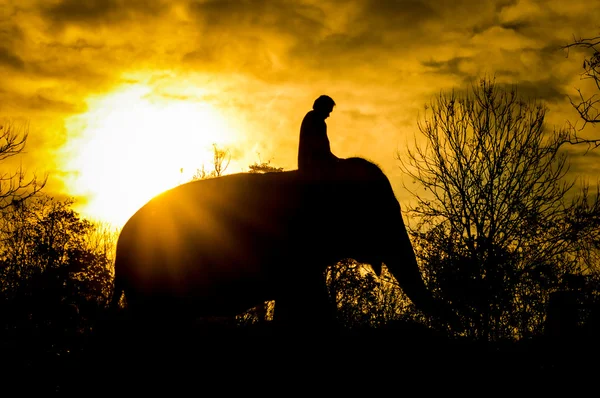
point(122, 94)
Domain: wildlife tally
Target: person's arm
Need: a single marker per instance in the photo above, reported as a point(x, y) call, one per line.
point(327, 146)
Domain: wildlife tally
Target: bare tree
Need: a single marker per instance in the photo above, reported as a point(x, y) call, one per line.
point(15, 186)
point(587, 105)
point(493, 231)
point(221, 159)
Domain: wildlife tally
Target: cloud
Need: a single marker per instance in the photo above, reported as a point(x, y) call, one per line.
point(548, 90)
point(584, 165)
point(40, 104)
point(259, 16)
point(256, 37)
point(263, 62)
point(8, 58)
point(451, 66)
point(100, 11)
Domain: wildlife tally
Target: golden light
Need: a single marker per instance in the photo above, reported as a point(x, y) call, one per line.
point(133, 145)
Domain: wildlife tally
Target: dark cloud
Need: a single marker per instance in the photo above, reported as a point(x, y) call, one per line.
point(79, 44)
point(549, 89)
point(379, 26)
point(397, 15)
point(253, 17)
point(10, 32)
point(340, 55)
point(313, 38)
point(101, 11)
point(10, 59)
point(249, 56)
point(518, 26)
point(448, 67)
point(584, 164)
point(38, 103)
point(356, 115)
point(507, 74)
point(256, 37)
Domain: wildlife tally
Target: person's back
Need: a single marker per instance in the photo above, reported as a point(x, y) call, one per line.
point(314, 151)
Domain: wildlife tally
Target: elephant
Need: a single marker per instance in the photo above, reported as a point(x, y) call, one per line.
point(220, 246)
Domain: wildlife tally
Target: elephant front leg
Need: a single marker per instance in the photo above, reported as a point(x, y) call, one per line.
point(304, 305)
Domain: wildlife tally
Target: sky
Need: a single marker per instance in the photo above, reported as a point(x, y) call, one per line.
point(124, 98)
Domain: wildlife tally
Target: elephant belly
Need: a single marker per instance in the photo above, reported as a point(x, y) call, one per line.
point(208, 283)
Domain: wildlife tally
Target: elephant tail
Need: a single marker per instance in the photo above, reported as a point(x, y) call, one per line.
point(120, 280)
point(118, 283)
point(117, 293)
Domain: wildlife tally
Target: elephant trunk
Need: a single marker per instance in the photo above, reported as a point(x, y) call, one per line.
point(402, 263)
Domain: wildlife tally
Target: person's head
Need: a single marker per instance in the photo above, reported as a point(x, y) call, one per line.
point(324, 105)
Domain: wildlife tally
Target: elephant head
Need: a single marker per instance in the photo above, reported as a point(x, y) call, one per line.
point(223, 245)
point(358, 200)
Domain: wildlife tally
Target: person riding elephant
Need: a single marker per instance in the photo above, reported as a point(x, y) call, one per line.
point(314, 151)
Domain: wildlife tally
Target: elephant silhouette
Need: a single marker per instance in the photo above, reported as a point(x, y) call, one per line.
point(220, 246)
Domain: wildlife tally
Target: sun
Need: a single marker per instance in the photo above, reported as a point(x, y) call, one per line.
point(131, 146)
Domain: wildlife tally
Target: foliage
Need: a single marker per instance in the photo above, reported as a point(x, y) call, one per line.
point(264, 167)
point(362, 299)
point(55, 267)
point(494, 231)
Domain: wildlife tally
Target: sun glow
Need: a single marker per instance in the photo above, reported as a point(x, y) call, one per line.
point(133, 146)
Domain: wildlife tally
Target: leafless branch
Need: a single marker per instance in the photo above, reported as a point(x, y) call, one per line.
point(587, 106)
point(15, 187)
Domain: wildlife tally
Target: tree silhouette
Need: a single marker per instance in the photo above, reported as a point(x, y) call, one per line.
point(54, 266)
point(15, 187)
point(221, 159)
point(362, 299)
point(587, 105)
point(494, 230)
